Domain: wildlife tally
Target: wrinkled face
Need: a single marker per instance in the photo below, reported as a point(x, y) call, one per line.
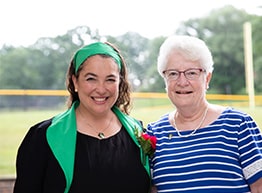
point(98, 84)
point(186, 89)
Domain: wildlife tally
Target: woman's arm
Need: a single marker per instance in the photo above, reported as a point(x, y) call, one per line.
point(154, 190)
point(256, 187)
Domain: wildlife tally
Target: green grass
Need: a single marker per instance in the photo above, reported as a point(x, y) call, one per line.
point(15, 124)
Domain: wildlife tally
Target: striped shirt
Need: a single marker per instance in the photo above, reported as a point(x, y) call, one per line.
point(224, 156)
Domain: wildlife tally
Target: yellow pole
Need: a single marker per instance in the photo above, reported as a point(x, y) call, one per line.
point(249, 63)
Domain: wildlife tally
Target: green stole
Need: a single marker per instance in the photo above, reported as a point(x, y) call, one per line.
point(61, 137)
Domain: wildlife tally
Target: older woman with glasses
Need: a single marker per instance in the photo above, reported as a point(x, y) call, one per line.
point(201, 147)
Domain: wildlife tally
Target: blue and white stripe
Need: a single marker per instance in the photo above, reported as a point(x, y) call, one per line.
point(224, 156)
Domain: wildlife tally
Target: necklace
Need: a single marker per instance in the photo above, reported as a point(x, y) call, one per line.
point(173, 122)
point(101, 133)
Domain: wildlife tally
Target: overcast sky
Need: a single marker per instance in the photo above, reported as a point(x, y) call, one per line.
point(24, 21)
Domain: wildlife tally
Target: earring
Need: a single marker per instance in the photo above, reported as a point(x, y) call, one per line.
point(75, 90)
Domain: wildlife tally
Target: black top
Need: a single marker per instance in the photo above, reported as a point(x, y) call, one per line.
point(111, 165)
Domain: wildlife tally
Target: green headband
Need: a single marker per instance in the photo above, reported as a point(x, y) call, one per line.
point(93, 49)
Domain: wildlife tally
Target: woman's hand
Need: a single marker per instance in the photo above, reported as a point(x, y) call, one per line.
point(256, 187)
point(154, 190)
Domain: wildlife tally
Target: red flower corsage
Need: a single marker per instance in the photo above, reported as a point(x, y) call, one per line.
point(147, 142)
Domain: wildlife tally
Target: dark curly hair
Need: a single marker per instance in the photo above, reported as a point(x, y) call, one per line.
point(123, 102)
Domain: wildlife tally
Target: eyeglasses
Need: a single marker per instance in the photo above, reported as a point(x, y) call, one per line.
point(190, 74)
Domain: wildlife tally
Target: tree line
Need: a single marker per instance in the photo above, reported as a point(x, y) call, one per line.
point(43, 65)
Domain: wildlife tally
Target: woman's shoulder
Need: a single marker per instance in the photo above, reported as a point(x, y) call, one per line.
point(219, 114)
point(39, 129)
point(42, 125)
point(229, 114)
point(162, 120)
point(35, 138)
point(219, 110)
